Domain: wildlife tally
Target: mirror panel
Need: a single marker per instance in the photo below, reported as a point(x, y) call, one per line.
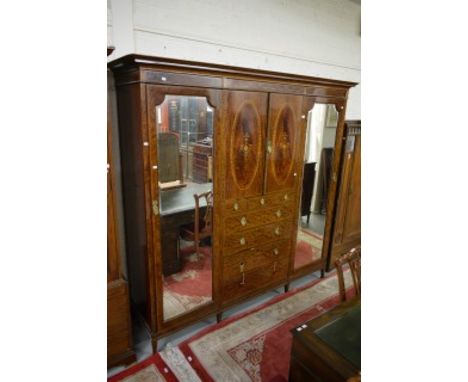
point(322, 123)
point(185, 180)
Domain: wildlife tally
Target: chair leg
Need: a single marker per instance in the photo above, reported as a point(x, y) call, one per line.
point(197, 248)
point(219, 317)
point(322, 273)
point(286, 287)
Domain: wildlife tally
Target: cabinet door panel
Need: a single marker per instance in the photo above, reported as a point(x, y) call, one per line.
point(184, 126)
point(284, 141)
point(245, 143)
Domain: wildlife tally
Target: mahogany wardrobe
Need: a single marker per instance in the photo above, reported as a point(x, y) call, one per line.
point(212, 166)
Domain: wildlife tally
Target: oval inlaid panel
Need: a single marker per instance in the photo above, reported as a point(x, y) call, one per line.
point(246, 140)
point(283, 145)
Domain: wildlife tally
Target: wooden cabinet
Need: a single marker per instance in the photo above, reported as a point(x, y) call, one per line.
point(347, 230)
point(119, 329)
point(251, 125)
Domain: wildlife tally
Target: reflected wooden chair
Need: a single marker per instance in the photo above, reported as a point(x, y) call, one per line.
point(202, 226)
point(353, 259)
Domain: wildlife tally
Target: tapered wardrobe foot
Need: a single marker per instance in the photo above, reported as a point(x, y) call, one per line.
point(219, 317)
point(154, 344)
point(286, 287)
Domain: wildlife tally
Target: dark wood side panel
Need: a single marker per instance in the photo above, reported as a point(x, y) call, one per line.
point(131, 144)
point(245, 140)
point(347, 231)
point(119, 328)
point(113, 263)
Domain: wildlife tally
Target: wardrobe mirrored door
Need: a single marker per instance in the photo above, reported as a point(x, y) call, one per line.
point(184, 126)
point(322, 123)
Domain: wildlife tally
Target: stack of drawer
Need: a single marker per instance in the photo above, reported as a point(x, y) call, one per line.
point(256, 248)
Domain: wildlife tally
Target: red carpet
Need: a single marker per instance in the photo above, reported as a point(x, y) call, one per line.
point(308, 248)
point(152, 369)
point(191, 287)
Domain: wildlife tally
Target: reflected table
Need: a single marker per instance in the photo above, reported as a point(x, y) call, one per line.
point(177, 209)
point(328, 348)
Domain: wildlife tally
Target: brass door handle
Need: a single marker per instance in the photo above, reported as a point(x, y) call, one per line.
point(269, 147)
point(155, 207)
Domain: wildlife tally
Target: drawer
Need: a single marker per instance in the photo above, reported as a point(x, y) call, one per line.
point(284, 198)
point(239, 241)
point(244, 283)
point(248, 220)
point(236, 205)
point(255, 257)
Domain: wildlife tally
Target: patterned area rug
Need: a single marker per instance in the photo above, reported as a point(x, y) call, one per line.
point(251, 346)
point(152, 369)
point(308, 249)
point(256, 346)
point(191, 287)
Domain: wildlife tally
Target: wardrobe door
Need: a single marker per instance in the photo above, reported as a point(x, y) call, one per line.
point(320, 144)
point(245, 144)
point(183, 127)
point(347, 232)
point(284, 146)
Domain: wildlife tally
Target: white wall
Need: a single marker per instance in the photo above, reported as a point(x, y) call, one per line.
point(310, 37)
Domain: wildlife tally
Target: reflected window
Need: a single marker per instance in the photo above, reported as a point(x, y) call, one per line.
point(185, 180)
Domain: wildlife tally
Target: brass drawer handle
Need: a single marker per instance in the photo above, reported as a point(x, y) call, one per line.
point(243, 274)
point(262, 201)
point(276, 251)
point(277, 231)
point(242, 241)
point(236, 206)
point(278, 213)
point(243, 221)
point(286, 197)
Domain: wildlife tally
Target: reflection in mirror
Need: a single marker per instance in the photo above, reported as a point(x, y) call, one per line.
point(320, 141)
point(185, 173)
